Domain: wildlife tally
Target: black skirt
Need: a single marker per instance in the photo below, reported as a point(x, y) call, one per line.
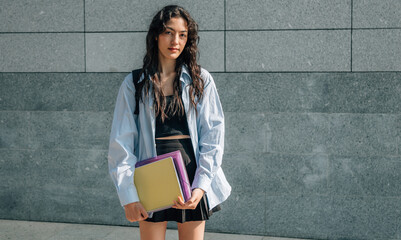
point(201, 212)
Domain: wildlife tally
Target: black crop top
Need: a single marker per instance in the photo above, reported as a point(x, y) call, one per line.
point(173, 125)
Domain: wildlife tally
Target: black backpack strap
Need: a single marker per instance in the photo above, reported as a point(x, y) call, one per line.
point(135, 79)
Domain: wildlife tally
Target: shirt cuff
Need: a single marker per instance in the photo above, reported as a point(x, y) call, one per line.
point(201, 181)
point(128, 195)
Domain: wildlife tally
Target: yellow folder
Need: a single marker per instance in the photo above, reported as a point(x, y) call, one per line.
point(157, 184)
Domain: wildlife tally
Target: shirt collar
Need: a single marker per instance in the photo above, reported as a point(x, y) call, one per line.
point(185, 75)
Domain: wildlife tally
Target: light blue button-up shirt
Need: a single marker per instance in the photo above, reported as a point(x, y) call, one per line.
point(132, 138)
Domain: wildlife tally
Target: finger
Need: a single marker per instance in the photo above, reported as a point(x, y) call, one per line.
point(179, 203)
point(179, 206)
point(133, 219)
point(192, 200)
point(175, 204)
point(195, 197)
point(180, 200)
point(139, 218)
point(128, 217)
point(144, 213)
point(192, 205)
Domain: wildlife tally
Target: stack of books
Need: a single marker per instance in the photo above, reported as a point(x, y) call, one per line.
point(161, 180)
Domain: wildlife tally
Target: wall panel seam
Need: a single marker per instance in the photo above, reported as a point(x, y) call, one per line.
point(56, 111)
point(311, 154)
point(221, 72)
point(225, 37)
point(131, 31)
point(55, 149)
point(84, 37)
point(237, 30)
point(352, 10)
point(226, 112)
point(329, 195)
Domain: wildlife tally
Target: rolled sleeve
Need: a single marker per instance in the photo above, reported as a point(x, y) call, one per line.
point(210, 123)
point(123, 138)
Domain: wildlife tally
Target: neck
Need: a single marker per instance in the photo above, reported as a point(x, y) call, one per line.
point(167, 66)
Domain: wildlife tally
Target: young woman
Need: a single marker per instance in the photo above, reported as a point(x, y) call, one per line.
point(179, 108)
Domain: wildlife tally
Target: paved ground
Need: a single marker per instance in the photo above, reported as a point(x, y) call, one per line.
point(26, 230)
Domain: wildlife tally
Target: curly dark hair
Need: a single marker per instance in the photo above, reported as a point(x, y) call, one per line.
point(188, 57)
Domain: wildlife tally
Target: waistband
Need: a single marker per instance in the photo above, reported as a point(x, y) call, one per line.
point(169, 141)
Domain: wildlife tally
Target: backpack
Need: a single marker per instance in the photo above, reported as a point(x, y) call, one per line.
point(135, 78)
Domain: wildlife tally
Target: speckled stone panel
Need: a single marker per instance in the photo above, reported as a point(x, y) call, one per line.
point(288, 14)
point(399, 141)
point(70, 130)
point(248, 51)
point(364, 217)
point(376, 50)
point(9, 208)
point(298, 133)
point(54, 130)
point(59, 185)
point(52, 91)
point(305, 216)
point(42, 16)
point(361, 176)
point(114, 52)
point(127, 15)
point(278, 133)
point(68, 204)
point(363, 134)
point(211, 51)
point(123, 52)
point(72, 168)
point(277, 174)
point(297, 174)
point(14, 171)
point(273, 92)
point(42, 52)
point(367, 92)
point(252, 165)
point(242, 212)
point(14, 129)
point(376, 14)
point(246, 132)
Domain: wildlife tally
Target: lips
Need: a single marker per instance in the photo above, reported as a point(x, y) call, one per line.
point(173, 49)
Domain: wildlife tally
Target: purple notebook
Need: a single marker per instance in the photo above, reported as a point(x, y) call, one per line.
point(179, 166)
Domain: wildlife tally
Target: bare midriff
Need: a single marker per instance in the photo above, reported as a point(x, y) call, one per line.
point(174, 137)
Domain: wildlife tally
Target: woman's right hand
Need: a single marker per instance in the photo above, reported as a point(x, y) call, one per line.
point(135, 212)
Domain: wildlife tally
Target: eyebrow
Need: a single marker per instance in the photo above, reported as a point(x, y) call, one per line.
point(174, 30)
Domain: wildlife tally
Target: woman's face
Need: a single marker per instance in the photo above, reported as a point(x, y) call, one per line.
point(172, 41)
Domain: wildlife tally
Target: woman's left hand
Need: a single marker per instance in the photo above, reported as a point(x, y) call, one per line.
point(197, 195)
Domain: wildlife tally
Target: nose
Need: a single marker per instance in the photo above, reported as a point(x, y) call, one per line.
point(175, 39)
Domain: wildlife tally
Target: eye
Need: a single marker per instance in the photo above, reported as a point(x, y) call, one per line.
point(183, 35)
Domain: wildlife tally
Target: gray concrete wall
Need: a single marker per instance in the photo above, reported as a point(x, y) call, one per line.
point(311, 91)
